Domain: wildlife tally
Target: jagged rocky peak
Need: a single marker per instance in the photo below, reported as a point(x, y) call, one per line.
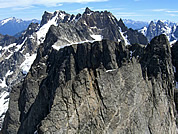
point(105, 24)
point(159, 22)
point(95, 87)
point(78, 61)
point(122, 25)
point(88, 11)
point(151, 32)
point(46, 17)
point(152, 23)
point(78, 16)
point(98, 19)
point(95, 23)
point(58, 16)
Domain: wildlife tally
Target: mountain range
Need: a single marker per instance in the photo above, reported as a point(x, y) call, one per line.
point(12, 26)
point(87, 73)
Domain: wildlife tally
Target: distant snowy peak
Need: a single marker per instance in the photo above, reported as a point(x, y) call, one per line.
point(5, 21)
point(167, 22)
point(11, 19)
point(155, 28)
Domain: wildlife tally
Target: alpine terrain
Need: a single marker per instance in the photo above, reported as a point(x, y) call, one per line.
point(87, 73)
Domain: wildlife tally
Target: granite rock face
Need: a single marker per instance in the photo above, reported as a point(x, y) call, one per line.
point(99, 87)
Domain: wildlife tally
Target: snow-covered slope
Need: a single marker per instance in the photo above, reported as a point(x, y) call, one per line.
point(4, 101)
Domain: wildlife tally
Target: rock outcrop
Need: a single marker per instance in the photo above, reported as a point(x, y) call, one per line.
point(99, 87)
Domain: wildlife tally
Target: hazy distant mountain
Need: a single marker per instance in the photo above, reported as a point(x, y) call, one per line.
point(135, 24)
point(12, 26)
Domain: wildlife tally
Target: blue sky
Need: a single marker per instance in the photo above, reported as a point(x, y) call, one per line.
point(143, 10)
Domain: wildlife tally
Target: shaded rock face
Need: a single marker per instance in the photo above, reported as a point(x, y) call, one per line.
point(45, 18)
point(174, 51)
point(6, 40)
point(95, 88)
point(176, 32)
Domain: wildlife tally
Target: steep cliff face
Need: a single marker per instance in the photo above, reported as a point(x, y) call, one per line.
point(99, 87)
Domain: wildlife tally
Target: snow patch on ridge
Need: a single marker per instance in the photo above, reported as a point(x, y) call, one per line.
point(173, 42)
point(9, 46)
point(6, 49)
point(9, 73)
point(3, 83)
point(111, 70)
point(97, 37)
point(26, 65)
point(56, 45)
point(20, 45)
point(4, 102)
point(124, 37)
